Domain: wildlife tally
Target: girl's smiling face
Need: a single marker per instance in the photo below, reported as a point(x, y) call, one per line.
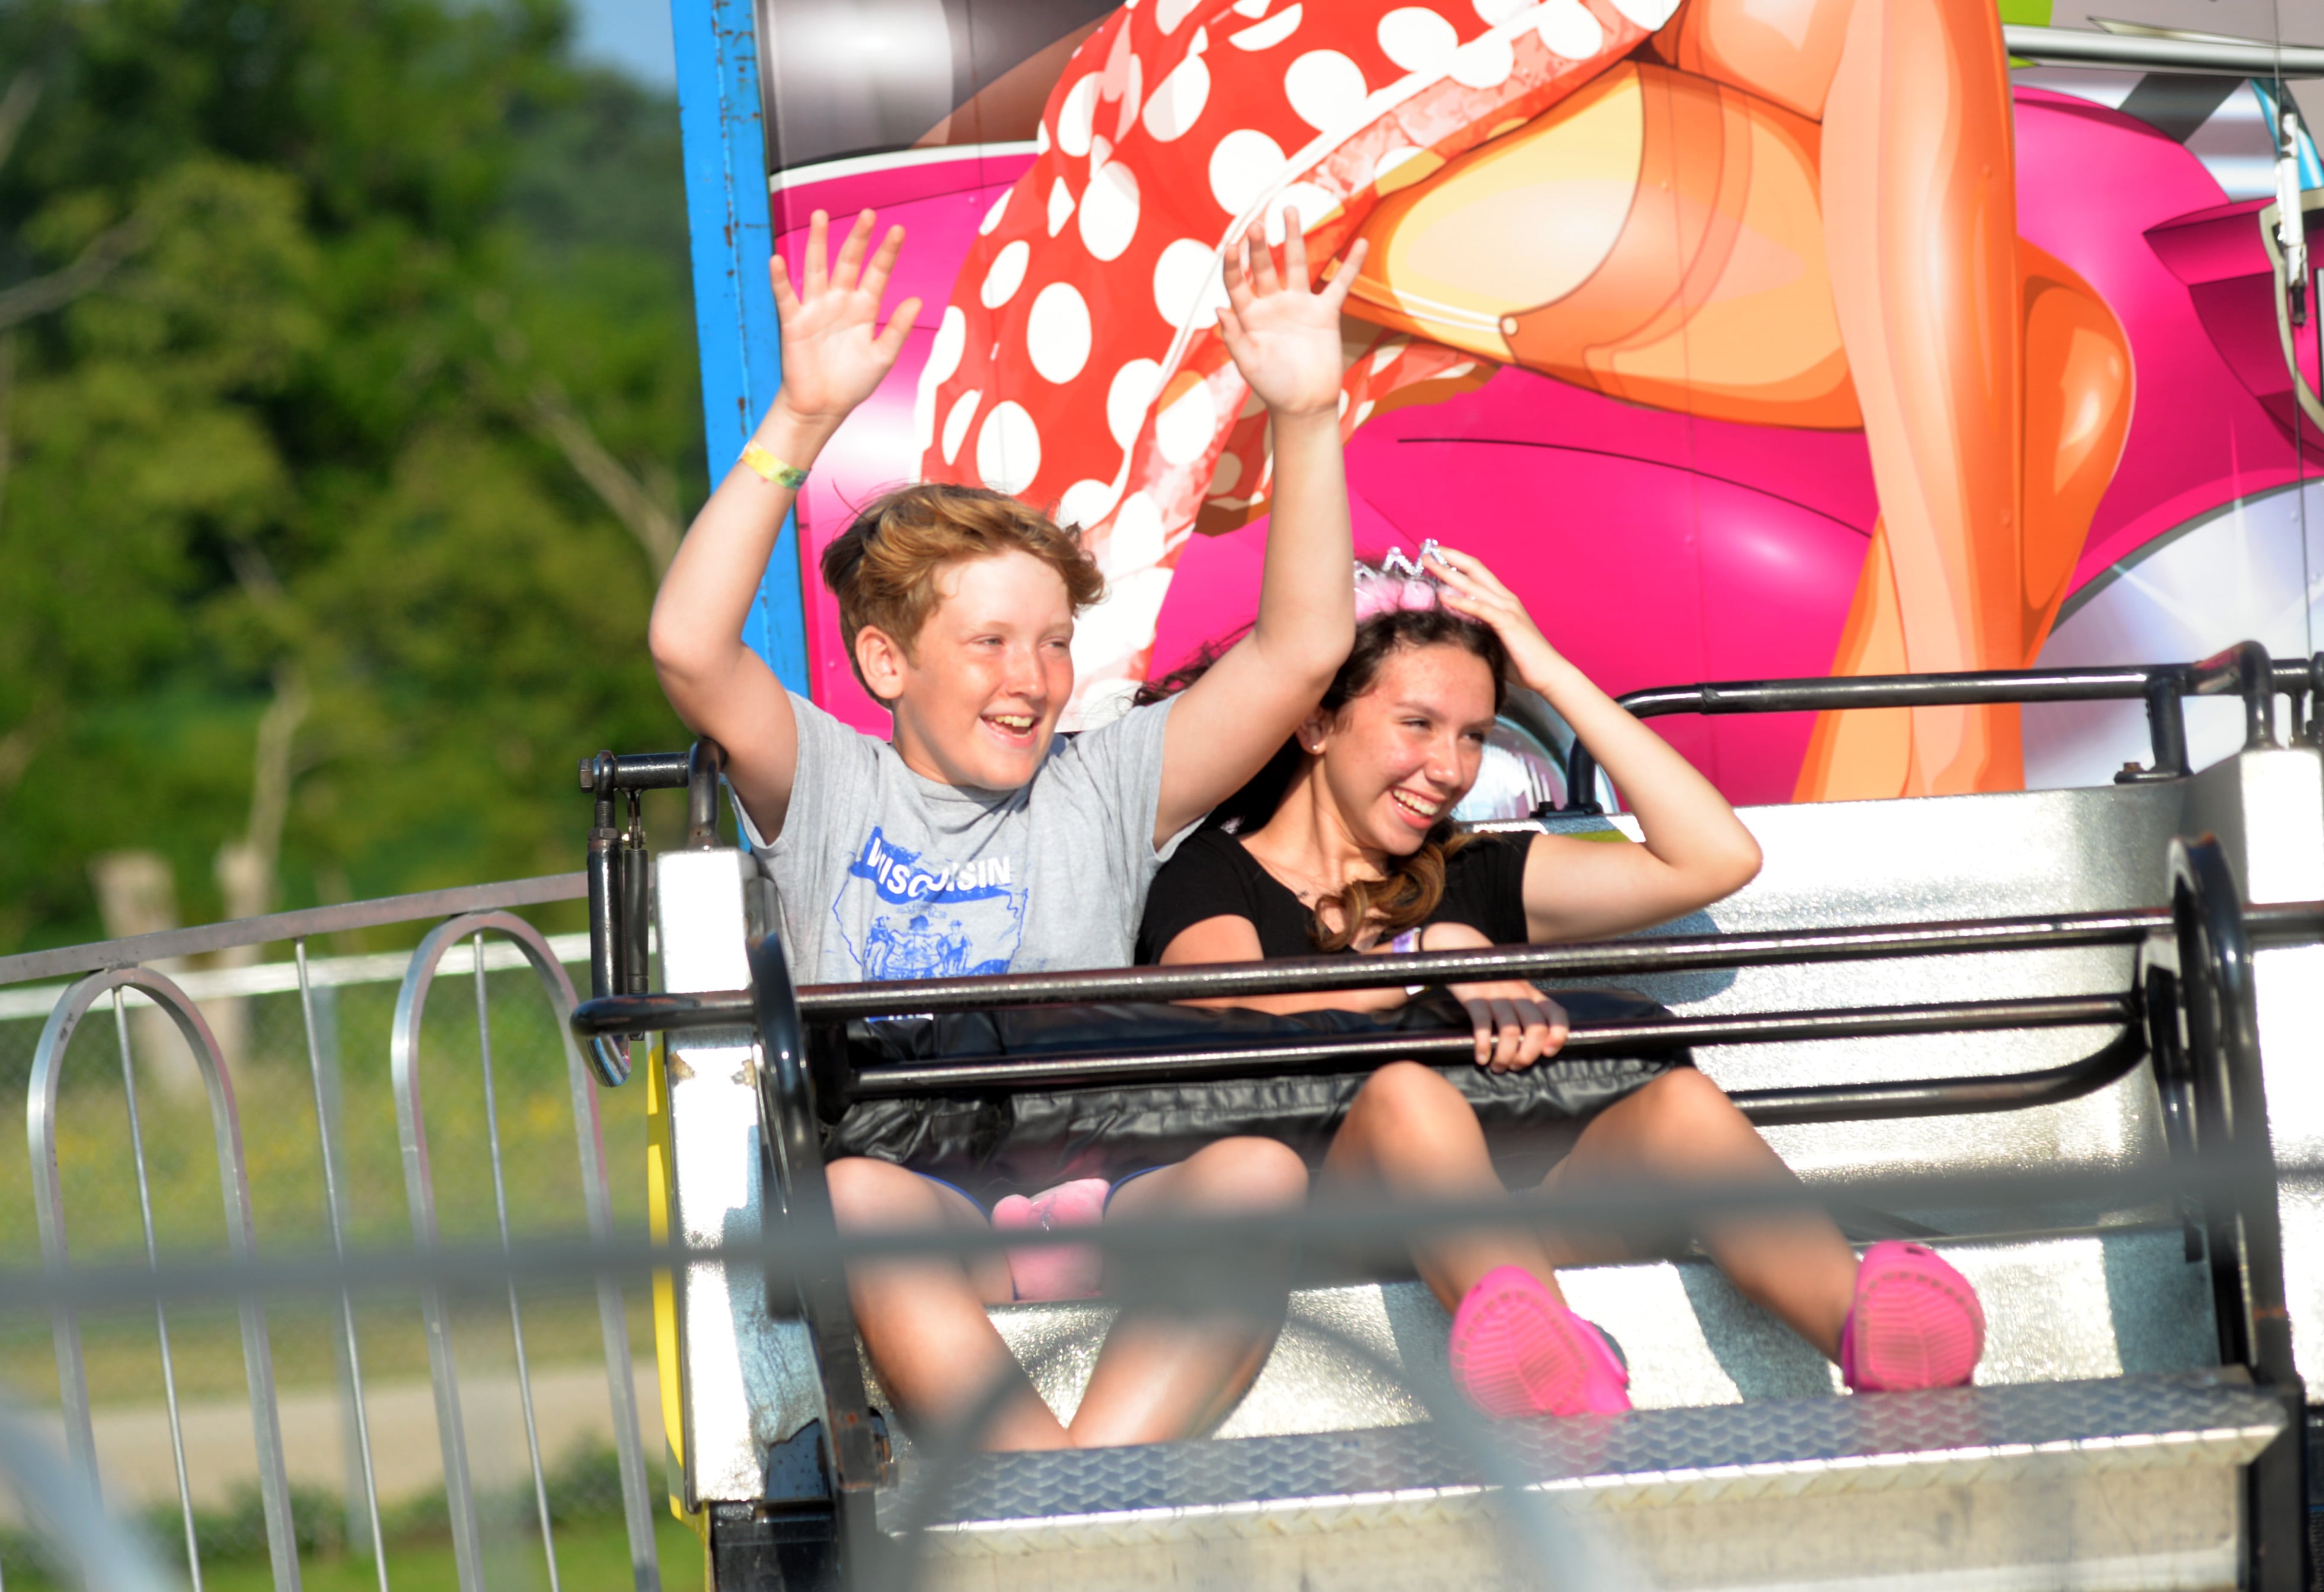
point(1398, 758)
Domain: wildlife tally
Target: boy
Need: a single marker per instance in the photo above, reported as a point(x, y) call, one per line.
point(958, 608)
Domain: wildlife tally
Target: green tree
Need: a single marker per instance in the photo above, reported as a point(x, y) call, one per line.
point(348, 405)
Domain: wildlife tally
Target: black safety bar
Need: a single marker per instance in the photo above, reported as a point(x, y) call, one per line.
point(2244, 669)
point(1589, 960)
point(621, 873)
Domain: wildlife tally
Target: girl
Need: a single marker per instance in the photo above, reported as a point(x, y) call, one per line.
point(1357, 854)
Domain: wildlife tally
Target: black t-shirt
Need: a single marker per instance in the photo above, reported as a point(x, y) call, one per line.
point(1214, 875)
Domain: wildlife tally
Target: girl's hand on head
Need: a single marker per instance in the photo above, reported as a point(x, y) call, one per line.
point(1516, 1025)
point(1472, 590)
point(834, 353)
point(1284, 335)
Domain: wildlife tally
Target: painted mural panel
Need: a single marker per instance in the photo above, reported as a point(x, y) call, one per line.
point(1746, 338)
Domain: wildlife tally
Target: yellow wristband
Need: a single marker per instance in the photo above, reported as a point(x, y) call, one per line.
point(773, 470)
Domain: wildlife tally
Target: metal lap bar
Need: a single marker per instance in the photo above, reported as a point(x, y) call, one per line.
point(2243, 668)
point(233, 1182)
point(1362, 1053)
point(1601, 959)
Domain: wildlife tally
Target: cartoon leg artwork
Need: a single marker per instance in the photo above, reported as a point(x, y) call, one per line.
point(1796, 213)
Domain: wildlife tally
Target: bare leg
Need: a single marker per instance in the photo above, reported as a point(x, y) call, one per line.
point(1162, 1375)
point(1921, 226)
point(1683, 1128)
point(1411, 1131)
point(923, 1319)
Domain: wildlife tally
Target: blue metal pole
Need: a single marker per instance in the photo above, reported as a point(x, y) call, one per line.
point(733, 308)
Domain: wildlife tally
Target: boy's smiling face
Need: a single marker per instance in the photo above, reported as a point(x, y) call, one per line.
point(976, 697)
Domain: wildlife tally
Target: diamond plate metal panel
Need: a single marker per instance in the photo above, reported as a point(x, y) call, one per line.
point(1786, 1447)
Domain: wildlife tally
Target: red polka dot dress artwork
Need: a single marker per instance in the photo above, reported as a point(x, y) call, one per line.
point(1078, 365)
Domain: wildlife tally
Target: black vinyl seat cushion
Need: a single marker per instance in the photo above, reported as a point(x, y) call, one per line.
point(994, 1143)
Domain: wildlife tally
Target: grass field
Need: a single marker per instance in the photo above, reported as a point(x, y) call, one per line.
point(591, 1557)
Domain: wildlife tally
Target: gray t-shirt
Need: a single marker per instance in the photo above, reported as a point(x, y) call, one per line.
point(885, 873)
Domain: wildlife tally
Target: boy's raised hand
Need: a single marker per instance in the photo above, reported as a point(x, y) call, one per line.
point(834, 351)
point(1284, 335)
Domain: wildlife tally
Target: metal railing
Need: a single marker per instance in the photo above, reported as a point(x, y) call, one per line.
point(2244, 669)
point(2191, 1006)
point(112, 976)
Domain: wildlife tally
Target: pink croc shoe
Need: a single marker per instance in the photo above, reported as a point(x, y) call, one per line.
point(1916, 1322)
point(1054, 1271)
point(1516, 1351)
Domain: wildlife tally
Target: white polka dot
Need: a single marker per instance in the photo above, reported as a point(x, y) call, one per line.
point(1325, 88)
point(955, 426)
point(1178, 99)
point(1061, 207)
point(944, 351)
point(1267, 34)
point(1041, 138)
point(1418, 40)
point(1385, 355)
point(1085, 504)
point(1008, 448)
point(992, 216)
point(1648, 14)
point(1006, 275)
point(1135, 541)
point(1251, 8)
point(1315, 205)
point(1074, 115)
point(1134, 602)
point(1110, 212)
point(1170, 14)
point(1485, 61)
point(1057, 332)
point(1496, 12)
point(1567, 29)
point(1363, 413)
point(1187, 287)
point(1100, 151)
point(1126, 398)
point(1243, 166)
point(943, 359)
point(1124, 82)
point(1183, 430)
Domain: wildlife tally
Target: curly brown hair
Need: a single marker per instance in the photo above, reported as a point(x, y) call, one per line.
point(884, 568)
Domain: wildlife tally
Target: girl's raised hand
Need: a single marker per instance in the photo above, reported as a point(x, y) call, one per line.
point(1285, 336)
point(1472, 590)
point(834, 351)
